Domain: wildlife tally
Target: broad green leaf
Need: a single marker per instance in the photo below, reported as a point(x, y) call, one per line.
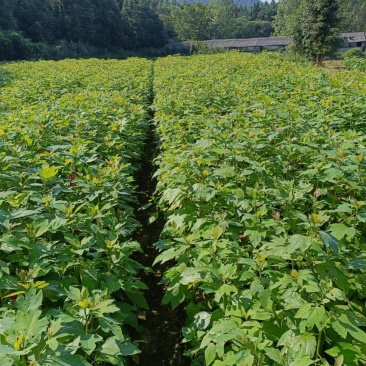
point(261, 315)
point(138, 298)
point(66, 359)
point(167, 255)
point(210, 354)
point(352, 325)
point(299, 242)
point(339, 361)
point(340, 231)
point(337, 273)
point(31, 301)
point(171, 195)
point(226, 289)
point(11, 243)
point(23, 213)
point(74, 294)
point(113, 347)
point(112, 326)
point(274, 354)
point(6, 324)
point(357, 263)
point(217, 231)
point(332, 174)
point(42, 227)
point(225, 172)
point(362, 216)
point(31, 325)
point(303, 312)
point(305, 345)
point(53, 344)
point(153, 217)
point(287, 339)
point(255, 236)
point(48, 172)
point(350, 352)
point(304, 361)
point(344, 207)
point(105, 307)
point(330, 241)
point(6, 361)
point(243, 358)
point(202, 320)
point(6, 350)
point(317, 317)
point(128, 349)
point(336, 294)
point(89, 342)
point(190, 275)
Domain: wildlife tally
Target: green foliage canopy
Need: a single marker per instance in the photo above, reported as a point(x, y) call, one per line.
point(314, 26)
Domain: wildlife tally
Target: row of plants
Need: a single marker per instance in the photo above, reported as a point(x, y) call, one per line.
point(355, 63)
point(355, 59)
point(261, 176)
point(71, 136)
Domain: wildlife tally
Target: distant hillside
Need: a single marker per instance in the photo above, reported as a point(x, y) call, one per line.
point(247, 3)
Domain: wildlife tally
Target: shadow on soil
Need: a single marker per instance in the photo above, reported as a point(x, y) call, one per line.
point(160, 327)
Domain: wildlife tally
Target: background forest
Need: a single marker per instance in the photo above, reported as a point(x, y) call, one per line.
point(32, 29)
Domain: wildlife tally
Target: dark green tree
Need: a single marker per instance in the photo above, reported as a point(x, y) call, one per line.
point(353, 16)
point(191, 22)
point(77, 23)
point(94, 22)
point(144, 27)
point(221, 15)
point(7, 19)
point(289, 12)
point(109, 26)
point(245, 28)
point(319, 33)
point(313, 24)
point(35, 19)
point(265, 11)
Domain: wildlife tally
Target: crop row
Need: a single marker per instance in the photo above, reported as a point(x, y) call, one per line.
point(71, 135)
point(356, 64)
point(262, 179)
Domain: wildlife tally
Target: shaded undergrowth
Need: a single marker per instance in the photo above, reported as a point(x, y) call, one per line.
point(160, 326)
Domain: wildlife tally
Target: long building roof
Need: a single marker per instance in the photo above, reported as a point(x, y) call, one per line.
point(354, 37)
point(249, 42)
point(274, 41)
point(263, 42)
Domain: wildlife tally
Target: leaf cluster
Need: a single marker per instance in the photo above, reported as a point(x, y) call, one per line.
point(262, 179)
point(71, 136)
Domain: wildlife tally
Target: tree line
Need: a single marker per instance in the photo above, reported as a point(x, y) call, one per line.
point(31, 29)
point(68, 28)
point(217, 19)
point(315, 25)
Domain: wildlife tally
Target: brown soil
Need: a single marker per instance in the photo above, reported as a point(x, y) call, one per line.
point(160, 327)
point(333, 65)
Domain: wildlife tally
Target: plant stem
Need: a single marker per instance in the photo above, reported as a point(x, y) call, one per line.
point(319, 344)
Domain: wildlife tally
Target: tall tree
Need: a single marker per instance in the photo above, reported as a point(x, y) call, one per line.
point(319, 33)
point(7, 20)
point(313, 25)
point(191, 22)
point(288, 14)
point(94, 22)
point(221, 14)
point(77, 21)
point(35, 19)
point(354, 16)
point(110, 27)
point(145, 28)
